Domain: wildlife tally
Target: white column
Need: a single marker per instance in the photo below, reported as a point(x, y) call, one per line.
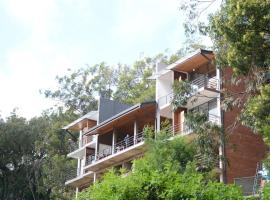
point(135, 131)
point(113, 140)
point(157, 119)
point(77, 191)
point(95, 177)
point(96, 148)
point(221, 147)
point(81, 139)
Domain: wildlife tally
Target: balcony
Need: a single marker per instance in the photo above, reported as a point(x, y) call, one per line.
point(78, 152)
point(204, 88)
point(183, 129)
point(75, 180)
point(126, 149)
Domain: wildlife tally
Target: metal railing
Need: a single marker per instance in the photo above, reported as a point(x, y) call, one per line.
point(185, 129)
point(205, 81)
point(89, 159)
point(246, 184)
point(72, 173)
point(214, 119)
point(167, 99)
point(200, 82)
point(119, 146)
point(73, 146)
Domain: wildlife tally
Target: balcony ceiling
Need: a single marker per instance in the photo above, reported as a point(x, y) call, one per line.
point(144, 111)
point(192, 61)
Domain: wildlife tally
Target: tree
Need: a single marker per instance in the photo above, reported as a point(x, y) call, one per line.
point(240, 31)
point(78, 90)
point(166, 172)
point(33, 163)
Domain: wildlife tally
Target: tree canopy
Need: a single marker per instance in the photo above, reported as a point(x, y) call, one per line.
point(167, 171)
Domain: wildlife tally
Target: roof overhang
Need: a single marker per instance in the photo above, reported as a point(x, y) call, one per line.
point(136, 111)
point(82, 121)
point(192, 61)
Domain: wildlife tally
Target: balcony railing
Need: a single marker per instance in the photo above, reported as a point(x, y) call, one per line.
point(247, 185)
point(200, 82)
point(205, 81)
point(119, 146)
point(73, 146)
point(73, 173)
point(185, 129)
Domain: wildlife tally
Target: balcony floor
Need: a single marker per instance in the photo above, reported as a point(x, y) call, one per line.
point(81, 180)
point(117, 158)
point(80, 152)
point(202, 96)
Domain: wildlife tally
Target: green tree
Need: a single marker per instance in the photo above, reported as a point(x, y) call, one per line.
point(77, 90)
point(165, 172)
point(33, 163)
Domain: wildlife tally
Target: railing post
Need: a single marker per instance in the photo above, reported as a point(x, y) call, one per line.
point(113, 141)
point(96, 148)
point(135, 131)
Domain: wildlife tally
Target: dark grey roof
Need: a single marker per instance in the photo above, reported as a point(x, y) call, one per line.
point(124, 112)
point(108, 108)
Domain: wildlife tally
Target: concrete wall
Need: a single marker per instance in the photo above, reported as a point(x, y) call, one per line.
point(164, 85)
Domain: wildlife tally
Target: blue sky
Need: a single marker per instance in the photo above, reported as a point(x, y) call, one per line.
point(42, 39)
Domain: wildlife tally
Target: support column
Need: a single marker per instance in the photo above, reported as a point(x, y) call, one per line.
point(157, 120)
point(222, 177)
point(95, 177)
point(114, 136)
point(77, 192)
point(96, 149)
point(135, 131)
point(81, 139)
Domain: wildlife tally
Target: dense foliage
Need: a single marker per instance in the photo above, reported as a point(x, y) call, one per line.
point(166, 172)
point(33, 162)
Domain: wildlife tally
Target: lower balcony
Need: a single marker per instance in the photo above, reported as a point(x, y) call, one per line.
point(182, 129)
point(129, 148)
point(75, 180)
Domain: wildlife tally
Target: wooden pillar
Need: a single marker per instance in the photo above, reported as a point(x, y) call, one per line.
point(135, 131)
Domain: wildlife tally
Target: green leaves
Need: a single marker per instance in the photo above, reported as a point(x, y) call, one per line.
point(182, 91)
point(166, 172)
point(239, 31)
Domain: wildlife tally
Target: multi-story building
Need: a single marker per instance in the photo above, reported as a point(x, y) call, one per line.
point(109, 137)
point(112, 135)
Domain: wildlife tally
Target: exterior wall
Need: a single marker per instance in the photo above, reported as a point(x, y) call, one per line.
point(243, 148)
point(164, 85)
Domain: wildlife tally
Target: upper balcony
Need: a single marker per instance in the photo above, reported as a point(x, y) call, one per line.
point(204, 89)
point(77, 150)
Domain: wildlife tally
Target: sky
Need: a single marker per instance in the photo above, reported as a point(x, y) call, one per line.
point(41, 39)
